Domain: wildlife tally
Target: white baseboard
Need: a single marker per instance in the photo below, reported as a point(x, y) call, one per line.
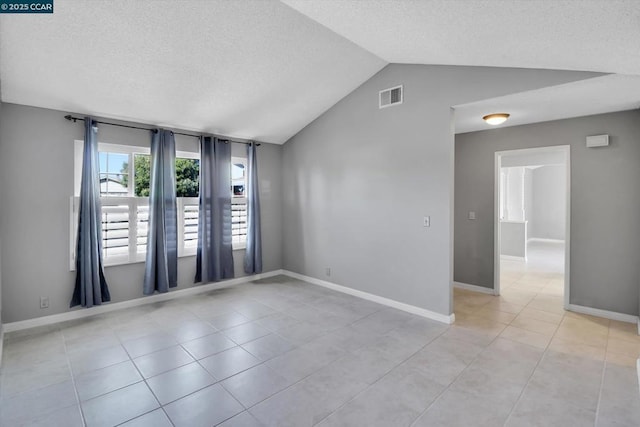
point(448, 319)
point(108, 307)
point(621, 317)
point(514, 258)
point(474, 288)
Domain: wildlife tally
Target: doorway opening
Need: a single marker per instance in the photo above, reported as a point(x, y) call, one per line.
point(532, 222)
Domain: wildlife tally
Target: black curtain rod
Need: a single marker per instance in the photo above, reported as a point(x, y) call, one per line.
point(75, 119)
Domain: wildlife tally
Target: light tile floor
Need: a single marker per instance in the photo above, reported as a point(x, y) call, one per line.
point(280, 352)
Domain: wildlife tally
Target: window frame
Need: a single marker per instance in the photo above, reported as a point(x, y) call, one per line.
point(130, 200)
point(239, 200)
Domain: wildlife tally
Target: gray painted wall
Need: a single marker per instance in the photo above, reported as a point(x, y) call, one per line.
point(549, 202)
point(359, 179)
point(528, 197)
point(513, 238)
point(1, 198)
point(605, 272)
point(36, 176)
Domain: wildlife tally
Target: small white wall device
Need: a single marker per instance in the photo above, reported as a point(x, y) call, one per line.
point(597, 141)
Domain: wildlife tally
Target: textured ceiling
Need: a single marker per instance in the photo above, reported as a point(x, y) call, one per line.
point(597, 95)
point(259, 69)
point(251, 69)
point(587, 35)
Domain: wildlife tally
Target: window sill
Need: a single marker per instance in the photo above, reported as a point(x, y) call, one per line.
point(108, 264)
point(141, 261)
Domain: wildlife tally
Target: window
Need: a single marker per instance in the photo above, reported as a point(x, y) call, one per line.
point(124, 192)
point(238, 203)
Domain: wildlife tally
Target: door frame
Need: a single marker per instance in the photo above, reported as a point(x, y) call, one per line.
point(566, 149)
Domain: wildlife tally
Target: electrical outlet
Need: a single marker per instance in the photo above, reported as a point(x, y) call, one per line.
point(327, 271)
point(44, 302)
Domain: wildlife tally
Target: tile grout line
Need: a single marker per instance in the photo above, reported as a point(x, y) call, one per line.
point(383, 376)
point(499, 335)
point(137, 382)
point(262, 363)
point(537, 293)
point(216, 330)
point(297, 347)
point(195, 360)
point(542, 356)
point(325, 333)
point(73, 379)
point(466, 367)
point(544, 353)
point(604, 370)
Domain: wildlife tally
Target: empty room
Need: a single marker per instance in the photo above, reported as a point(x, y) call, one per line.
point(319, 212)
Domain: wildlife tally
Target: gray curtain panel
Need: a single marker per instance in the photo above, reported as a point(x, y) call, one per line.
point(161, 269)
point(214, 261)
point(91, 287)
point(253, 253)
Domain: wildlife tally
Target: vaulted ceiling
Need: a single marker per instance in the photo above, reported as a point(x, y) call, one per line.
point(264, 69)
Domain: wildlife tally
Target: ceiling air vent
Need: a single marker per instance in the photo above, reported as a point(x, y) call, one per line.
point(391, 96)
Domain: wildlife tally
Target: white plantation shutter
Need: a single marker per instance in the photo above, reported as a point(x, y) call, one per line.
point(142, 228)
point(239, 222)
point(188, 225)
point(115, 231)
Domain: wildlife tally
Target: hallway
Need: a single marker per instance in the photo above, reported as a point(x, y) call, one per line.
point(580, 354)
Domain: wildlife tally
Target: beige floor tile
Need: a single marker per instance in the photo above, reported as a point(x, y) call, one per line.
point(624, 331)
point(461, 307)
point(549, 299)
point(546, 306)
point(534, 325)
point(586, 325)
point(517, 296)
point(496, 315)
point(502, 305)
point(493, 349)
point(626, 348)
point(588, 319)
point(569, 347)
point(476, 301)
point(510, 276)
point(526, 337)
point(527, 288)
point(533, 280)
point(542, 315)
point(553, 289)
point(462, 315)
point(621, 360)
point(581, 336)
point(480, 324)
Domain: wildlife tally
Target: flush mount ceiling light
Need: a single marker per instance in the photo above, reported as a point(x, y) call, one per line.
point(496, 119)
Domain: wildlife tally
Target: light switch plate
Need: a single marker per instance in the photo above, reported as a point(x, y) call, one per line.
point(427, 221)
point(472, 215)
